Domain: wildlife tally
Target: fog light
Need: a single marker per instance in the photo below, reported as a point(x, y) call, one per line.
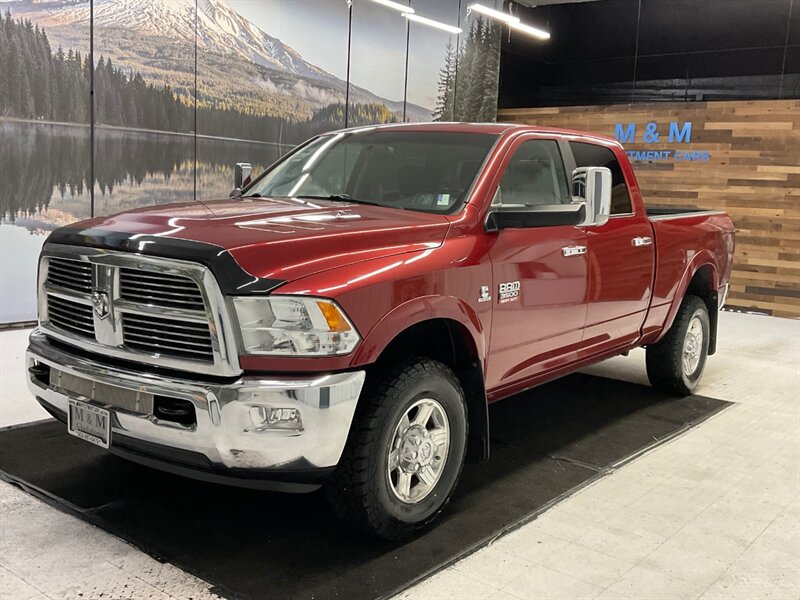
point(270, 418)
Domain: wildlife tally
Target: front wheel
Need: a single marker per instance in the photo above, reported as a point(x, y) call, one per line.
point(405, 451)
point(676, 363)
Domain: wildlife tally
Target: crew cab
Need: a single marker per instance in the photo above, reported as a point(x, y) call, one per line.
point(346, 317)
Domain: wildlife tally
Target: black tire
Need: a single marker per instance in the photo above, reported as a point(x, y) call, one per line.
point(665, 366)
point(361, 490)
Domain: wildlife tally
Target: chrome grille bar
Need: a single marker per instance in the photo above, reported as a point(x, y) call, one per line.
point(160, 289)
point(70, 316)
point(70, 274)
point(167, 336)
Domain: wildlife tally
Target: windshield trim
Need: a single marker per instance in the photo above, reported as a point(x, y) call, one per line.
point(344, 133)
point(280, 159)
point(468, 194)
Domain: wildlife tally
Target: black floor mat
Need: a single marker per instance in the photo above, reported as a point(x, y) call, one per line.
point(251, 544)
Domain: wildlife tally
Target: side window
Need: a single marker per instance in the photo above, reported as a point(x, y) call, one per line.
point(592, 155)
point(535, 175)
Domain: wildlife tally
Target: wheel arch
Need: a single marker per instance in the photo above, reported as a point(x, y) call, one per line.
point(700, 279)
point(440, 332)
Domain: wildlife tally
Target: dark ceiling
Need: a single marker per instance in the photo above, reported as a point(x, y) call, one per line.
point(613, 51)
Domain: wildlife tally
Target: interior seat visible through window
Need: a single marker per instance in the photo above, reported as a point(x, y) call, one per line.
point(534, 176)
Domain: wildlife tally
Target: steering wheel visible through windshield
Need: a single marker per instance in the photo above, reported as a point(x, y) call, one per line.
point(429, 171)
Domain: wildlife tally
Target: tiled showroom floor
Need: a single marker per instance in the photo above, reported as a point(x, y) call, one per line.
point(714, 513)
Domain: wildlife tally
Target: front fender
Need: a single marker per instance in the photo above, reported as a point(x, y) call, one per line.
point(412, 312)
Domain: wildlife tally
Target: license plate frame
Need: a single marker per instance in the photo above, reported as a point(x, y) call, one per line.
point(89, 423)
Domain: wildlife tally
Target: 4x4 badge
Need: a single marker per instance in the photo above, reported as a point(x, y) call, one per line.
point(485, 296)
point(100, 304)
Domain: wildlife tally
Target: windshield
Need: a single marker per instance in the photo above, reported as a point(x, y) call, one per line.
point(428, 171)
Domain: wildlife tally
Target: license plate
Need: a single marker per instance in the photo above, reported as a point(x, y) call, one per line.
point(89, 423)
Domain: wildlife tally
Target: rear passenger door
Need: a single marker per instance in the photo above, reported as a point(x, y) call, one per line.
point(621, 261)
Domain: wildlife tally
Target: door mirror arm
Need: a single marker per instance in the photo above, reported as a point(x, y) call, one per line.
point(517, 216)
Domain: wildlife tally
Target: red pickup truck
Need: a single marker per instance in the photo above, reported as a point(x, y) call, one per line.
point(344, 319)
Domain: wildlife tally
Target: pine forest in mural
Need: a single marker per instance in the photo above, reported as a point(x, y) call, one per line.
point(467, 88)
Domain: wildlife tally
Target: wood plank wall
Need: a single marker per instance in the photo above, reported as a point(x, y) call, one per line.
point(753, 174)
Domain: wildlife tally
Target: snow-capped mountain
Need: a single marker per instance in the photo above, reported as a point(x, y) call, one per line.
point(220, 29)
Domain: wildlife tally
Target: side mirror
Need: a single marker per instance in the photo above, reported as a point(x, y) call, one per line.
point(545, 215)
point(592, 185)
point(241, 177)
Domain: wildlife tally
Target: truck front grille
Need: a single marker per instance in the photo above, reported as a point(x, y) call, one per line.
point(71, 316)
point(156, 311)
point(168, 337)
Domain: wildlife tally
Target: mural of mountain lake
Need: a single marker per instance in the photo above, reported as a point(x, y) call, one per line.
point(45, 176)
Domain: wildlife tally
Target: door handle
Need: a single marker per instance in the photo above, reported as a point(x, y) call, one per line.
point(642, 241)
point(573, 250)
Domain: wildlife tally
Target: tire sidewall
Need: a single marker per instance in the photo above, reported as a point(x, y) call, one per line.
point(690, 381)
point(442, 390)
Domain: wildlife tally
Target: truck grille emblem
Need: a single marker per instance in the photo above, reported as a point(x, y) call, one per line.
point(100, 303)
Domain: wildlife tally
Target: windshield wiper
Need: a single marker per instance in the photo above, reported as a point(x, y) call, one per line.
point(344, 198)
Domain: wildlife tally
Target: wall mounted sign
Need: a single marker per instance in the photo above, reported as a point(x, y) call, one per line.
point(677, 132)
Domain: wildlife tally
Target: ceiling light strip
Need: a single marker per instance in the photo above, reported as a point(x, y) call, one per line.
point(432, 23)
point(535, 32)
point(403, 8)
point(510, 20)
point(494, 14)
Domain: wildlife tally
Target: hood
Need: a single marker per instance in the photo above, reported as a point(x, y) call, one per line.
point(280, 238)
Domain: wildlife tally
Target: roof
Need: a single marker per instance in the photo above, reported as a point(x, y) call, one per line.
point(490, 128)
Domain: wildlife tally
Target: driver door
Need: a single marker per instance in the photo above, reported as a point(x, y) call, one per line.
point(539, 273)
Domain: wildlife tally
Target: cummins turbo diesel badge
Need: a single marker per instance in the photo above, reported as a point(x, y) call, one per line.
point(508, 292)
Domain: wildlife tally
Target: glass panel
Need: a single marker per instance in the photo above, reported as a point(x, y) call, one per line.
point(378, 66)
point(432, 55)
point(44, 140)
point(478, 66)
point(534, 176)
point(144, 104)
point(265, 84)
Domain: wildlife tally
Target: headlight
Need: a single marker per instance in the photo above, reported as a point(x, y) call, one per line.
point(293, 326)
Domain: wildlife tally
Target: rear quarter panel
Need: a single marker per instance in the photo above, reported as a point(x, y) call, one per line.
point(684, 244)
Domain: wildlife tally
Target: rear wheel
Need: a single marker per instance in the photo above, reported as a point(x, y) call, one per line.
point(405, 452)
point(676, 363)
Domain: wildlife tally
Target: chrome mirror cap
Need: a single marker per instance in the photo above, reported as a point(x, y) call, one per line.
point(592, 185)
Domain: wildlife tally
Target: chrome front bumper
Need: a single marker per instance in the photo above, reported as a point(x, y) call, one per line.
point(225, 433)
